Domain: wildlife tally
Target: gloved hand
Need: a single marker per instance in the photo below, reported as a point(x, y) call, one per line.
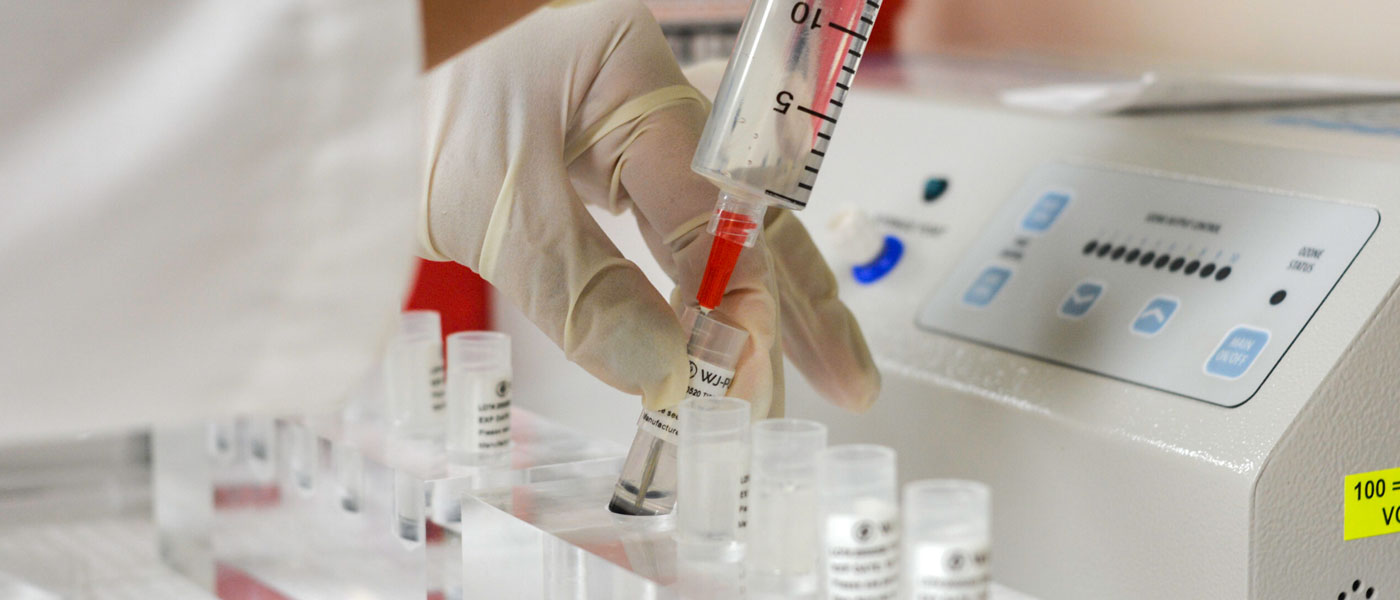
point(582, 102)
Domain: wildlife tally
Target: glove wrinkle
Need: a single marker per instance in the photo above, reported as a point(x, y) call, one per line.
point(575, 323)
point(694, 225)
point(629, 112)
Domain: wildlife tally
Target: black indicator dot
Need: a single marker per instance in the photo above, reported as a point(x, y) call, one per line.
point(1222, 273)
point(1118, 252)
point(1089, 247)
point(1370, 591)
point(1147, 258)
point(1177, 264)
point(1207, 270)
point(1278, 297)
point(934, 188)
point(1356, 585)
point(1105, 249)
point(1162, 261)
point(1132, 255)
point(1342, 596)
point(1192, 266)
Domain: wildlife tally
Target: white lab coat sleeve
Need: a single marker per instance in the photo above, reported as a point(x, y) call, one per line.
point(206, 207)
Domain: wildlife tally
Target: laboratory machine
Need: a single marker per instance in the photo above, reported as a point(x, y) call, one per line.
point(1164, 340)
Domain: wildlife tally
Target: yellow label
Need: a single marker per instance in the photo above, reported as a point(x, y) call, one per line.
point(1372, 504)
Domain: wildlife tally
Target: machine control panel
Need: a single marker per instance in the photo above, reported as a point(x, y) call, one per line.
point(1192, 287)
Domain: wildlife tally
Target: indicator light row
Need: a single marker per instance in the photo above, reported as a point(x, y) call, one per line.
point(1150, 258)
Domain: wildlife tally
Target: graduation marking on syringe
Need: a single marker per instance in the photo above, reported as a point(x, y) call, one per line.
point(841, 29)
point(816, 114)
point(788, 198)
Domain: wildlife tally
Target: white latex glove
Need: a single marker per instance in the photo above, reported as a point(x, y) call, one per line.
point(583, 102)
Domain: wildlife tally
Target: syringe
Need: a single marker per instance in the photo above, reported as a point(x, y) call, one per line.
point(773, 118)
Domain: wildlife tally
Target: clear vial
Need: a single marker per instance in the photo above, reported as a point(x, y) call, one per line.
point(413, 375)
point(409, 509)
point(478, 395)
point(648, 482)
point(349, 477)
point(301, 454)
point(222, 437)
point(947, 540)
point(714, 467)
point(784, 548)
point(260, 441)
point(860, 520)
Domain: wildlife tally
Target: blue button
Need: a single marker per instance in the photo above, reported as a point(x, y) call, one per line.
point(881, 266)
point(1045, 211)
point(1080, 299)
point(1155, 315)
point(986, 287)
point(1237, 352)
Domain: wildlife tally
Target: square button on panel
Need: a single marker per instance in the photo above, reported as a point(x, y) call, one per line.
point(1154, 316)
point(1045, 212)
point(1236, 353)
point(985, 288)
point(1082, 297)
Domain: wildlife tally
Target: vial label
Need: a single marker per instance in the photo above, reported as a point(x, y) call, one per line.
point(437, 382)
point(493, 417)
point(744, 501)
point(706, 380)
point(862, 554)
point(953, 571)
point(414, 380)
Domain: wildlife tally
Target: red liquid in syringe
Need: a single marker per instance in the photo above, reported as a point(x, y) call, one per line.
point(724, 254)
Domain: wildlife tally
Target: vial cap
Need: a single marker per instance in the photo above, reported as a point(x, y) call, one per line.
point(787, 446)
point(944, 508)
point(713, 341)
point(852, 471)
point(420, 323)
point(478, 351)
point(710, 417)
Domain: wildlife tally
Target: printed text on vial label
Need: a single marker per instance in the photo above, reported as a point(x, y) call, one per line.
point(862, 555)
point(493, 417)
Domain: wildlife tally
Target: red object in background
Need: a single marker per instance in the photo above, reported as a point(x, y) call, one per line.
point(882, 34)
point(459, 294)
point(233, 582)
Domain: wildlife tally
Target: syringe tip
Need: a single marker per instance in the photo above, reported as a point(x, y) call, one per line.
point(733, 231)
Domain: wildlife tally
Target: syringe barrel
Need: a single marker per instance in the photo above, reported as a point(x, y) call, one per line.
point(781, 96)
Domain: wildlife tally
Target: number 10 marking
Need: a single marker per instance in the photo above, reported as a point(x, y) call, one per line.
point(802, 10)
